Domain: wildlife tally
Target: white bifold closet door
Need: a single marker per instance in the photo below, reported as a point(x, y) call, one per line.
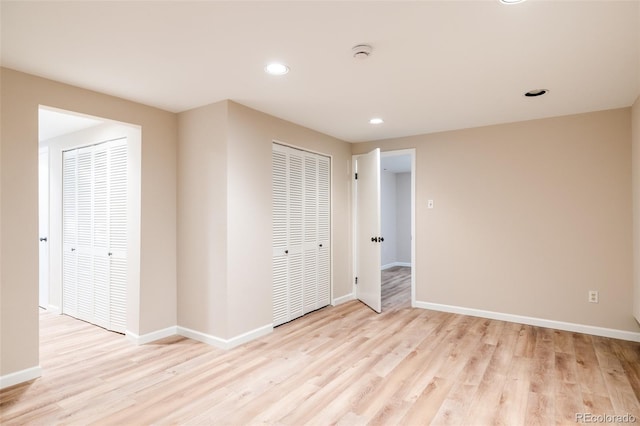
point(301, 233)
point(94, 234)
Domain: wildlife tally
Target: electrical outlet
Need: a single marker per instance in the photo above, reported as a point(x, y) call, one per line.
point(593, 296)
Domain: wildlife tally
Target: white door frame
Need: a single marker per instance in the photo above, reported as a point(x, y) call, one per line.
point(43, 234)
point(411, 152)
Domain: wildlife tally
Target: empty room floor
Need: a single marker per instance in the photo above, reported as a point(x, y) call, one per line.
point(339, 365)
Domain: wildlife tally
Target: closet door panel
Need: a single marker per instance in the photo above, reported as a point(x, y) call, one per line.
point(295, 202)
point(118, 235)
point(101, 235)
point(280, 290)
point(295, 285)
point(118, 295)
point(296, 233)
point(101, 290)
point(100, 199)
point(324, 277)
point(324, 231)
point(69, 233)
point(310, 232)
point(310, 280)
point(85, 234)
point(279, 203)
point(118, 199)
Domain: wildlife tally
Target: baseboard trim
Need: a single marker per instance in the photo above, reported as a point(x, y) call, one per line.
point(540, 322)
point(343, 299)
point(225, 343)
point(54, 309)
point(151, 337)
point(392, 264)
point(249, 336)
point(20, 377)
point(202, 337)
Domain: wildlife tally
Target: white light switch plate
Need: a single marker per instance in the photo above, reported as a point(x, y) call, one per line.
point(430, 204)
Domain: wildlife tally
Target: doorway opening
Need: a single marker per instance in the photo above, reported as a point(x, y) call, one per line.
point(396, 169)
point(384, 251)
point(96, 203)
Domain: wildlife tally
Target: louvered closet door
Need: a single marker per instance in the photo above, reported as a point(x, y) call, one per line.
point(69, 233)
point(324, 231)
point(280, 237)
point(310, 233)
point(84, 246)
point(95, 234)
point(301, 280)
point(118, 235)
point(101, 234)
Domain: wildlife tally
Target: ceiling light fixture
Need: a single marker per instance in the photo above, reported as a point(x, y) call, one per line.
point(511, 1)
point(376, 120)
point(276, 68)
point(536, 92)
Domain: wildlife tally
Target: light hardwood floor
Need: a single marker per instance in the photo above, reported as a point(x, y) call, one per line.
point(340, 365)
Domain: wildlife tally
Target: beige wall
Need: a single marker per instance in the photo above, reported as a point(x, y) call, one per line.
point(224, 216)
point(635, 132)
point(20, 96)
point(202, 219)
point(528, 218)
point(249, 172)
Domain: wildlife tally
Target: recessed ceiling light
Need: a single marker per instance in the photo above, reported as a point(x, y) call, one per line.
point(536, 92)
point(276, 68)
point(511, 1)
point(376, 120)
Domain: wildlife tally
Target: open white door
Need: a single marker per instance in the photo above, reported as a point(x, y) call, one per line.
point(368, 239)
point(43, 219)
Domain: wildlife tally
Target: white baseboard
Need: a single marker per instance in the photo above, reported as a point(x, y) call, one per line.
point(20, 377)
point(151, 337)
point(343, 299)
point(225, 343)
point(54, 309)
point(539, 322)
point(249, 336)
point(392, 264)
point(202, 337)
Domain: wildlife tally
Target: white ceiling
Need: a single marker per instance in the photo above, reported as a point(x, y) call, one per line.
point(436, 65)
point(52, 123)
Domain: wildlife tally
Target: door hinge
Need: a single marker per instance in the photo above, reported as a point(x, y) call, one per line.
point(356, 176)
point(356, 280)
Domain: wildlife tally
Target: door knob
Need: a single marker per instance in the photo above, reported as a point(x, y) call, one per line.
point(43, 239)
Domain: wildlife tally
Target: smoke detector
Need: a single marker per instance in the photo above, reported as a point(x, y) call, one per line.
point(361, 51)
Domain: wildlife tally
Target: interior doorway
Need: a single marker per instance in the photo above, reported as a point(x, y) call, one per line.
point(371, 238)
point(396, 171)
point(101, 213)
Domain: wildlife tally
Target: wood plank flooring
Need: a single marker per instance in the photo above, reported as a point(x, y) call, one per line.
point(340, 365)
